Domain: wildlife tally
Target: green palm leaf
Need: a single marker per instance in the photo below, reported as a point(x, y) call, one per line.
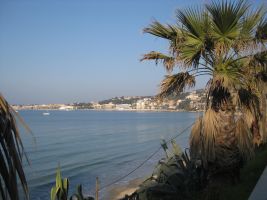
point(164, 31)
point(11, 154)
point(226, 16)
point(196, 31)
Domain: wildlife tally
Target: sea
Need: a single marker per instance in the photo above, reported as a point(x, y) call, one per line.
point(86, 144)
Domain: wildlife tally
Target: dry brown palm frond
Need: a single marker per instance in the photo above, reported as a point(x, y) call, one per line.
point(174, 84)
point(257, 61)
point(244, 138)
point(248, 117)
point(225, 81)
point(195, 139)
point(168, 61)
point(263, 109)
point(249, 99)
point(261, 30)
point(209, 134)
point(12, 151)
point(220, 96)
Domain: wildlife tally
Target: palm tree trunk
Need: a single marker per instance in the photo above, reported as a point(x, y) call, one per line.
point(227, 156)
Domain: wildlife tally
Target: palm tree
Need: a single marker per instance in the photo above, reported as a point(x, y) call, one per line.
point(224, 40)
point(12, 151)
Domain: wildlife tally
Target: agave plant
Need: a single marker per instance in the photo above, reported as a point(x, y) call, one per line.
point(61, 189)
point(175, 177)
point(12, 151)
point(224, 40)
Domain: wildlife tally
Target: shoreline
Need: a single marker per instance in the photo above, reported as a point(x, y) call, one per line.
point(125, 110)
point(119, 191)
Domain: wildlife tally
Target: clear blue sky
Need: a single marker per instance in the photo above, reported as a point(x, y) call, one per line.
point(63, 51)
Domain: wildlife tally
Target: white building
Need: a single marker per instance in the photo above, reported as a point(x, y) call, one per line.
point(193, 96)
point(143, 104)
point(123, 106)
point(97, 106)
point(108, 106)
point(66, 107)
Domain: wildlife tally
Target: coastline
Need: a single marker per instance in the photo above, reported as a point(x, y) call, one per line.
point(124, 110)
point(119, 191)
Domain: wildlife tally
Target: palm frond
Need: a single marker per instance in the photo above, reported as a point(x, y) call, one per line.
point(168, 61)
point(261, 77)
point(190, 20)
point(226, 17)
point(197, 42)
point(258, 61)
point(168, 32)
point(229, 73)
point(248, 116)
point(249, 23)
point(195, 139)
point(244, 139)
point(210, 132)
point(219, 95)
point(261, 32)
point(175, 84)
point(12, 151)
point(250, 20)
point(249, 100)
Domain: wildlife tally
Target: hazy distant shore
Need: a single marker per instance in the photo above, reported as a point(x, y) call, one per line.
point(124, 110)
point(187, 101)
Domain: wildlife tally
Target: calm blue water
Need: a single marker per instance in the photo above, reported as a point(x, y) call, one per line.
point(88, 144)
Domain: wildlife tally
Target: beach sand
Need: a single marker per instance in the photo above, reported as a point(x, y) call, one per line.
point(121, 190)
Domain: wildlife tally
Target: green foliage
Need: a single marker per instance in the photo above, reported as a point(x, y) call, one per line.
point(222, 40)
point(226, 41)
point(175, 177)
point(177, 151)
point(184, 105)
point(60, 190)
point(122, 100)
point(164, 147)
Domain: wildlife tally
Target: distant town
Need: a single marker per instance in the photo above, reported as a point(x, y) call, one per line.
point(186, 101)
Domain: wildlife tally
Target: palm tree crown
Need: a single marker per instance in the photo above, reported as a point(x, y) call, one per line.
point(225, 40)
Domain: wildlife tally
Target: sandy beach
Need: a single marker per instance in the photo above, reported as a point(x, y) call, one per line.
point(121, 190)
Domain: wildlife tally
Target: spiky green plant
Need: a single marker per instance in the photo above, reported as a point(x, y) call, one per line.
point(61, 189)
point(12, 151)
point(224, 40)
point(175, 177)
